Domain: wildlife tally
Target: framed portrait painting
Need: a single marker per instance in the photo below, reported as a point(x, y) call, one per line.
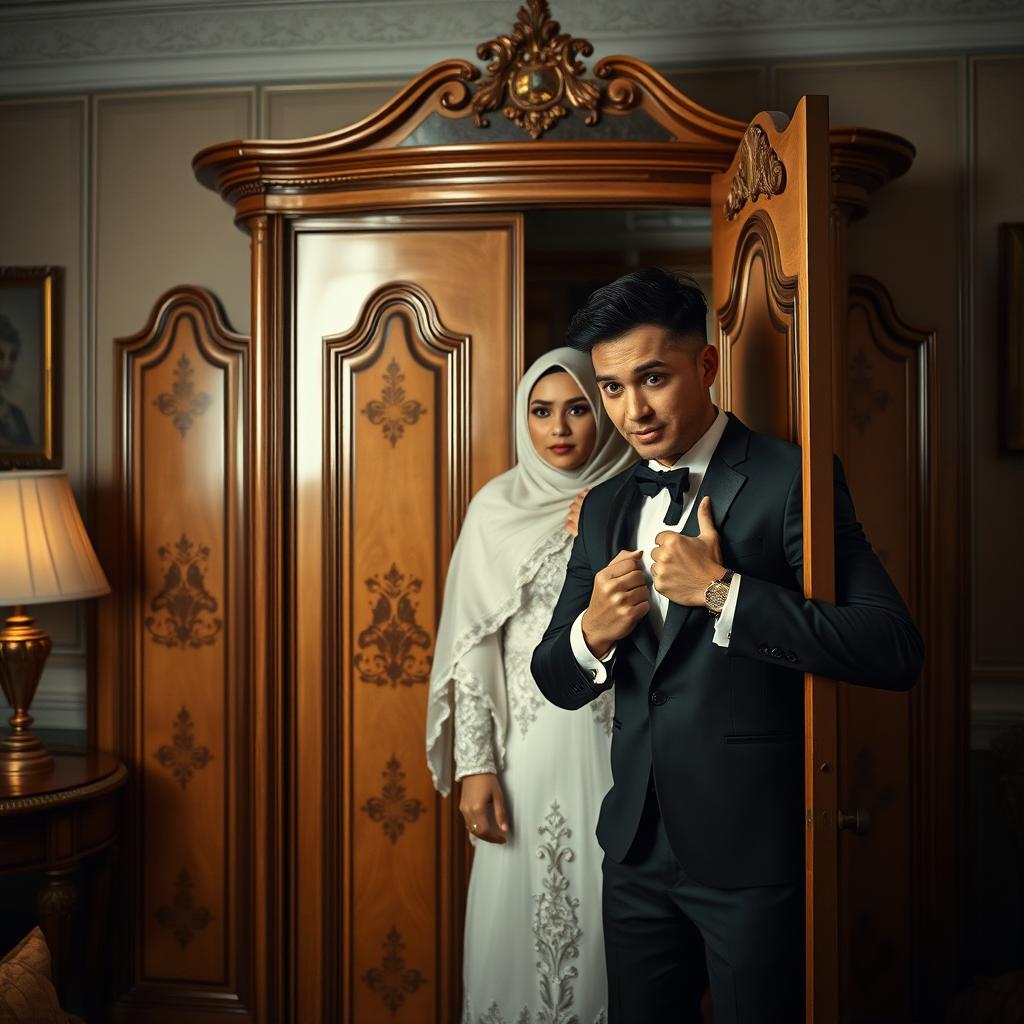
point(31, 331)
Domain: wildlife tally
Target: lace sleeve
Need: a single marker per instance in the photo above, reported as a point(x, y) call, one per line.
point(474, 732)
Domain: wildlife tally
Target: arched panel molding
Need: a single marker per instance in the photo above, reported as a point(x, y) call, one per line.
point(886, 379)
point(398, 479)
point(767, 402)
point(174, 701)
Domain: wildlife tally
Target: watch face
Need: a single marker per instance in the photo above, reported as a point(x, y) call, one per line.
point(716, 595)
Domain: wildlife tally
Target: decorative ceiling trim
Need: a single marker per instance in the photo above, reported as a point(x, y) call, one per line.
point(49, 46)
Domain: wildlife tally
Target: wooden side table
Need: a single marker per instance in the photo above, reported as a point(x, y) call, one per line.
point(49, 823)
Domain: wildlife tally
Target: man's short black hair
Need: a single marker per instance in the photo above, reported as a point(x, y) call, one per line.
point(648, 296)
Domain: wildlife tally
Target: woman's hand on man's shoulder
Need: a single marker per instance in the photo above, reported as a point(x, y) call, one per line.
point(572, 520)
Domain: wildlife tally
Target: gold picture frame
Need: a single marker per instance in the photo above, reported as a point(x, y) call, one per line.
point(31, 343)
point(1011, 281)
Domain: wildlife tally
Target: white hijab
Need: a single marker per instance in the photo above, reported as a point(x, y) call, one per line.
point(514, 521)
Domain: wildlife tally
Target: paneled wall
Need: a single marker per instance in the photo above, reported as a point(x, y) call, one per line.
point(43, 204)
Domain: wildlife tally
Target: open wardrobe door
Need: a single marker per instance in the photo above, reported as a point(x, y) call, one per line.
point(406, 350)
point(771, 262)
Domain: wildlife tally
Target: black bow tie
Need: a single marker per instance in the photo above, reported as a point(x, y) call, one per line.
point(675, 481)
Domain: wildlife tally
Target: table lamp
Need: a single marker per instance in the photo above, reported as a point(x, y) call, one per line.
point(45, 556)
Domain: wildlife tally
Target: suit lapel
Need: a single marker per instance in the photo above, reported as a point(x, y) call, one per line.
point(721, 483)
point(623, 514)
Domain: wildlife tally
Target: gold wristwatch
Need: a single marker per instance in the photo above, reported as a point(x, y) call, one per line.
point(717, 593)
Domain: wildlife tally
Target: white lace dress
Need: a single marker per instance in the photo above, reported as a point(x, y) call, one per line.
point(534, 948)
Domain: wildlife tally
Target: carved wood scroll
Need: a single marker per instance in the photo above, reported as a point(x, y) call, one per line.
point(534, 70)
point(760, 172)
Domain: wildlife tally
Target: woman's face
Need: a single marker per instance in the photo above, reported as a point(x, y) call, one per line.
point(562, 425)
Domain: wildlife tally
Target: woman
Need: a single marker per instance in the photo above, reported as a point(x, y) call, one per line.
point(533, 775)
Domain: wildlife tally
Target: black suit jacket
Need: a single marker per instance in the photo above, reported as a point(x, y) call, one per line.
point(722, 728)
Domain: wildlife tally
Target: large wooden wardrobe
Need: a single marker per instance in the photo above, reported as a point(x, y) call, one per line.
point(288, 502)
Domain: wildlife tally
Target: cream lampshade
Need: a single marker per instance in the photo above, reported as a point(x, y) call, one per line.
point(45, 557)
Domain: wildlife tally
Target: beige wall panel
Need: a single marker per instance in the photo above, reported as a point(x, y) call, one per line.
point(156, 226)
point(998, 476)
point(910, 239)
point(42, 223)
point(902, 241)
point(295, 112)
point(739, 92)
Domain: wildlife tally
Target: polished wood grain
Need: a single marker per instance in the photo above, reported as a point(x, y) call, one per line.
point(414, 374)
point(179, 696)
point(772, 292)
point(365, 167)
point(888, 435)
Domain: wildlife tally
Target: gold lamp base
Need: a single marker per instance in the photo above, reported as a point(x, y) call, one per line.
point(24, 649)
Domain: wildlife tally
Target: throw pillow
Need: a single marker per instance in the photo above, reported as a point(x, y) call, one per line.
point(26, 994)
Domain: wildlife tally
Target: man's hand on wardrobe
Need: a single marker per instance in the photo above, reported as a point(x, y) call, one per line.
point(620, 599)
point(684, 566)
point(482, 804)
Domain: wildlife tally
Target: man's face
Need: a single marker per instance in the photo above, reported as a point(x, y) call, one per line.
point(655, 389)
point(8, 358)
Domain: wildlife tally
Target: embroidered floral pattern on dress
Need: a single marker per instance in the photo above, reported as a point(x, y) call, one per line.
point(493, 1016)
point(474, 747)
point(556, 925)
point(523, 632)
point(456, 670)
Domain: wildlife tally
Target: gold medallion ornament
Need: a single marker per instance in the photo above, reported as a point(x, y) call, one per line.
point(534, 72)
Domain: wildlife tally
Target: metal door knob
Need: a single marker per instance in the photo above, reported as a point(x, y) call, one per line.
point(859, 822)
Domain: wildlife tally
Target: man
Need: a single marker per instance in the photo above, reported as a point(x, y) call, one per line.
point(14, 431)
point(703, 827)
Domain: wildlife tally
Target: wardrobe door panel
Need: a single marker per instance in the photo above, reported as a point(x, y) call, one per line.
point(406, 350)
point(770, 235)
point(183, 714)
point(888, 446)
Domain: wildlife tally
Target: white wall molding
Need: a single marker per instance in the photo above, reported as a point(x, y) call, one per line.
point(60, 701)
point(49, 46)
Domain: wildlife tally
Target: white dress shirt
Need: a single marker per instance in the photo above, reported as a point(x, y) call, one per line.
point(651, 523)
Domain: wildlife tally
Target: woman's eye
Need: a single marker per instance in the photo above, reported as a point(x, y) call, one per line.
point(539, 411)
point(580, 410)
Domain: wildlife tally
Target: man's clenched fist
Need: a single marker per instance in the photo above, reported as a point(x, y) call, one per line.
point(684, 566)
point(620, 599)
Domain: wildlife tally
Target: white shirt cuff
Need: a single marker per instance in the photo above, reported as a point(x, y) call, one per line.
point(594, 666)
point(723, 624)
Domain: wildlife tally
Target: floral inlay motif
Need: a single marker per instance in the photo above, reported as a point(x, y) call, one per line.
point(184, 608)
point(183, 402)
point(393, 411)
point(532, 71)
point(183, 757)
point(394, 634)
point(556, 927)
point(183, 917)
point(760, 172)
point(393, 808)
point(392, 981)
point(865, 398)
